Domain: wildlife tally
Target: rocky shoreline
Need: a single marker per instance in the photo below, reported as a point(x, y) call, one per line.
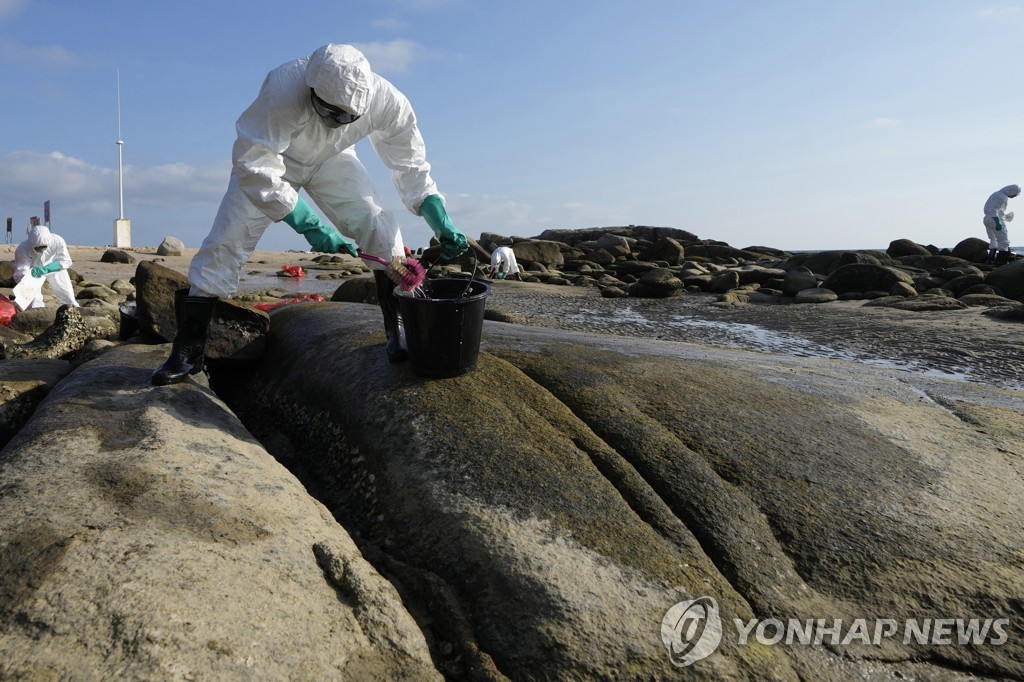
point(912, 307)
point(321, 513)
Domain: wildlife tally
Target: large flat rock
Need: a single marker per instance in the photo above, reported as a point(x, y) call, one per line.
point(550, 508)
point(144, 534)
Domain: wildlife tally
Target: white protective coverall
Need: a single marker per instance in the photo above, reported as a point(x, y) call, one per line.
point(996, 215)
point(283, 145)
point(503, 263)
point(56, 249)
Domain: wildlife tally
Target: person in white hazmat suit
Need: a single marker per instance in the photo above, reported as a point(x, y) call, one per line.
point(503, 264)
point(44, 256)
point(995, 220)
point(299, 133)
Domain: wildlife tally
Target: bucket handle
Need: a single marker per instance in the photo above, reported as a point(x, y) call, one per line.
point(472, 276)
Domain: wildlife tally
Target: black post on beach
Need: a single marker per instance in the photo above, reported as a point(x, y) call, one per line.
point(10, 226)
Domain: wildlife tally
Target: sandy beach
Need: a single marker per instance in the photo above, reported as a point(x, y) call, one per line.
point(965, 343)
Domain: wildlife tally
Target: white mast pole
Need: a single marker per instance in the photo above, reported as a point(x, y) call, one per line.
point(122, 226)
point(120, 144)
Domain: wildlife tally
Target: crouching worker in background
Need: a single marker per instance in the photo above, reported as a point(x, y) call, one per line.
point(44, 257)
point(503, 264)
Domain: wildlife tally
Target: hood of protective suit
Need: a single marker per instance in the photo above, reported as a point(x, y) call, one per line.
point(1011, 190)
point(341, 75)
point(39, 235)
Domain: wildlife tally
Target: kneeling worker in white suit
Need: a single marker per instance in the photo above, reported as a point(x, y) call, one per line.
point(44, 256)
point(503, 264)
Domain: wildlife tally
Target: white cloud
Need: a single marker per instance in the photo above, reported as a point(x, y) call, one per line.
point(177, 184)
point(39, 55)
point(394, 56)
point(28, 178)
point(33, 174)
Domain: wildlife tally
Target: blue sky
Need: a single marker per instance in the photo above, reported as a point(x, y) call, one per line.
point(792, 124)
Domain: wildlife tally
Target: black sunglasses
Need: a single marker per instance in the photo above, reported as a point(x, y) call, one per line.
point(333, 113)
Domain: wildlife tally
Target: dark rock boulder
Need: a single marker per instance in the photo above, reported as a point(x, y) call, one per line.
point(548, 253)
point(815, 295)
point(865, 277)
point(758, 274)
point(1014, 313)
point(34, 321)
point(797, 279)
point(958, 285)
point(116, 256)
point(617, 245)
point(824, 263)
point(1009, 279)
point(714, 251)
point(971, 249)
point(656, 283)
point(666, 249)
point(356, 290)
point(726, 280)
point(981, 289)
point(651, 234)
point(492, 240)
point(905, 289)
point(23, 385)
point(920, 303)
point(62, 339)
point(935, 263)
point(906, 247)
point(987, 300)
point(7, 273)
point(236, 331)
point(632, 267)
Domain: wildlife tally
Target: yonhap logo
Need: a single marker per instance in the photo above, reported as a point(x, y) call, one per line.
point(691, 630)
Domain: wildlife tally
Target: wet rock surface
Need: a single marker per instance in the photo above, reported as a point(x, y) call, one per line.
point(543, 512)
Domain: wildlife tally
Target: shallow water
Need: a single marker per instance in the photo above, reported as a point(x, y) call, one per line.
point(629, 317)
point(292, 285)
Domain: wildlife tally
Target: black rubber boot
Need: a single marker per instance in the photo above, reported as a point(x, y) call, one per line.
point(991, 257)
point(393, 328)
point(1003, 257)
point(193, 315)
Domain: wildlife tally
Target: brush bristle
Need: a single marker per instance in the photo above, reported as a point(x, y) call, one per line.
point(408, 274)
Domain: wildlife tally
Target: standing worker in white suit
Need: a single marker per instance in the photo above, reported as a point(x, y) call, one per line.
point(300, 133)
point(43, 256)
point(995, 220)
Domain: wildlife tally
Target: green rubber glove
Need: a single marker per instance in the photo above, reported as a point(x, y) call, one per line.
point(453, 242)
point(323, 238)
point(999, 225)
point(41, 270)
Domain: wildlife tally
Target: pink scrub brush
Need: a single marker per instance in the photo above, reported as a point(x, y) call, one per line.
point(405, 272)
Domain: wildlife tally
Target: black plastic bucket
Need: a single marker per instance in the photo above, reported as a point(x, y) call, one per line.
point(442, 328)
